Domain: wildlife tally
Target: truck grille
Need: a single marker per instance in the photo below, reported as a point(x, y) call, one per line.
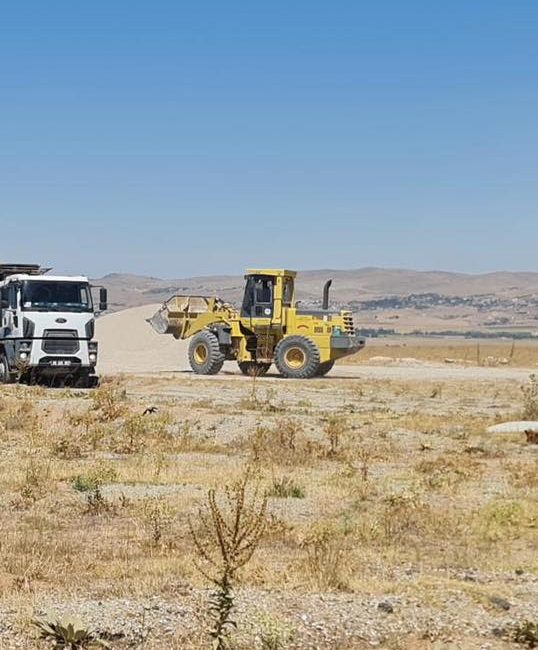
point(349, 327)
point(60, 342)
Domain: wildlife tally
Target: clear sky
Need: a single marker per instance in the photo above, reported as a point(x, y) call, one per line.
point(177, 138)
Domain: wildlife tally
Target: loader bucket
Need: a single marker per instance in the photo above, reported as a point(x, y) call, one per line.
point(178, 313)
point(159, 322)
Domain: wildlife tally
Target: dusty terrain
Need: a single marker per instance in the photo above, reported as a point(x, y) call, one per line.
point(394, 519)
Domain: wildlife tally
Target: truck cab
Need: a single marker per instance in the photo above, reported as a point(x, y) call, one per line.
point(47, 327)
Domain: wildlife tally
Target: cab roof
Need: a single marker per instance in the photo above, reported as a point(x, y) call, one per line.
point(22, 277)
point(272, 272)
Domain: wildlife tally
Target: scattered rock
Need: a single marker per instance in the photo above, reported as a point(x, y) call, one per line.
point(520, 426)
point(499, 632)
point(500, 602)
point(385, 606)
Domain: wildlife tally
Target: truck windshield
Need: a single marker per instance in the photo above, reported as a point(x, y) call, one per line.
point(41, 295)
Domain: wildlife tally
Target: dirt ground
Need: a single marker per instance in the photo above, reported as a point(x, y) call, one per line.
point(393, 519)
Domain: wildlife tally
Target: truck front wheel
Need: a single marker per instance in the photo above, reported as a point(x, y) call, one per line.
point(205, 355)
point(6, 376)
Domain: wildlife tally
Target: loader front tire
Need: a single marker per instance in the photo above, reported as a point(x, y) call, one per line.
point(253, 368)
point(205, 355)
point(297, 357)
point(324, 368)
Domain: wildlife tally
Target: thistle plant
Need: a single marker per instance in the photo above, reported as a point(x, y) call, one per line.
point(228, 531)
point(68, 633)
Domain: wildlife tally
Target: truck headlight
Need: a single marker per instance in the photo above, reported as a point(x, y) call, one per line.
point(92, 351)
point(25, 346)
point(23, 356)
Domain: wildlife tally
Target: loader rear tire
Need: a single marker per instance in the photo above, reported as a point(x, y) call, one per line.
point(297, 357)
point(253, 368)
point(324, 368)
point(205, 355)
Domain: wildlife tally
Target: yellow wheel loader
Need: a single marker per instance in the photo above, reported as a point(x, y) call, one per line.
point(269, 328)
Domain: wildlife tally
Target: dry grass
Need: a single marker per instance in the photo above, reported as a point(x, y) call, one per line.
point(472, 352)
point(96, 496)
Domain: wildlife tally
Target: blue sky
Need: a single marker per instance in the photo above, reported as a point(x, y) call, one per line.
point(186, 138)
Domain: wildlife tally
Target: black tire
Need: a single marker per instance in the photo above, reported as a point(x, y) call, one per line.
point(297, 357)
point(324, 368)
point(253, 368)
point(86, 381)
point(205, 355)
point(6, 376)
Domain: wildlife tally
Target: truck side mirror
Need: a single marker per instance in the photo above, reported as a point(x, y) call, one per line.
point(103, 299)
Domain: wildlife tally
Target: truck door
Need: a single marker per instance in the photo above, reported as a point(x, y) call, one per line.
point(8, 310)
point(4, 304)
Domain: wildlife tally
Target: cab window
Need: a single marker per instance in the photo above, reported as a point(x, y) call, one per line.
point(258, 300)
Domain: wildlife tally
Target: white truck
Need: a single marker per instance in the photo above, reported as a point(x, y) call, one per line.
point(47, 325)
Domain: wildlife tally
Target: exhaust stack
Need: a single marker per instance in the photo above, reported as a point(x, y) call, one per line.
point(325, 304)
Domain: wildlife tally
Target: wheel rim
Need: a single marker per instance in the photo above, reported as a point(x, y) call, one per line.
point(200, 353)
point(295, 358)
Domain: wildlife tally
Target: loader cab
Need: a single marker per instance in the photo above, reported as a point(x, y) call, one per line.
point(267, 292)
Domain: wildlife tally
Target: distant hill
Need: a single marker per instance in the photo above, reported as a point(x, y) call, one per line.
point(364, 284)
point(383, 299)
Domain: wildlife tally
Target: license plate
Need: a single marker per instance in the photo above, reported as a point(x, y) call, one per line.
point(60, 362)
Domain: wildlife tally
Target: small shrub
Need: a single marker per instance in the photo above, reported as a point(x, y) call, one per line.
point(334, 430)
point(68, 633)
point(257, 402)
point(133, 435)
point(287, 431)
point(522, 475)
point(91, 485)
point(282, 444)
point(36, 482)
point(325, 555)
point(501, 520)
point(448, 471)
point(526, 634)
point(109, 400)
point(68, 446)
point(404, 515)
point(273, 633)
point(158, 517)
point(20, 416)
point(284, 488)
point(530, 399)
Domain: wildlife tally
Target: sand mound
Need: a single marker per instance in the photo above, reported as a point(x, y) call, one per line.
point(128, 344)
